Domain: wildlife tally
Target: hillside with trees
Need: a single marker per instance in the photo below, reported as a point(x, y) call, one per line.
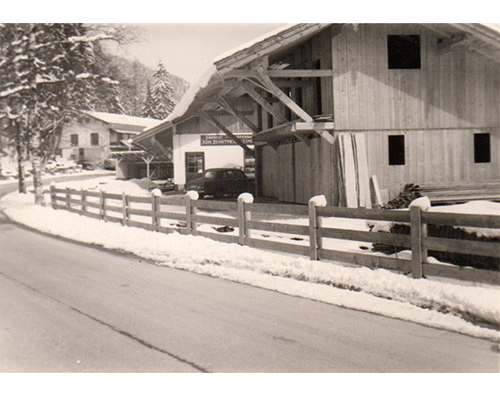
point(134, 77)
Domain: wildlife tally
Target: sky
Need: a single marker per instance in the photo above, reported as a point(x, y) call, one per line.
point(187, 50)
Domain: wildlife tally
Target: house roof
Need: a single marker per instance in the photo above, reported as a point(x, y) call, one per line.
point(122, 119)
point(483, 38)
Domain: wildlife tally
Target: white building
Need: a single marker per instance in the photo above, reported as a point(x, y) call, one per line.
point(191, 147)
point(95, 135)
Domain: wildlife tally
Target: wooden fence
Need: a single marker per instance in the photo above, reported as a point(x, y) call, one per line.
point(189, 214)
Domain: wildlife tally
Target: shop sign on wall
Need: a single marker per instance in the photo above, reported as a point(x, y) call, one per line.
point(223, 140)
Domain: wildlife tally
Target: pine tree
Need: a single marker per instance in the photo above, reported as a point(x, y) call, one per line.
point(47, 74)
point(162, 93)
point(147, 110)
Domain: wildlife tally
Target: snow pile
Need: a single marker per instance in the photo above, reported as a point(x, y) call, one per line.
point(109, 185)
point(245, 198)
point(318, 200)
point(193, 195)
point(156, 192)
point(424, 203)
point(428, 302)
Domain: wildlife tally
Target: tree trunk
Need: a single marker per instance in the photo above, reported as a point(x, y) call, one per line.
point(20, 159)
point(37, 179)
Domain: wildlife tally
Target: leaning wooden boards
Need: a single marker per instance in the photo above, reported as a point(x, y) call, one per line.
point(354, 170)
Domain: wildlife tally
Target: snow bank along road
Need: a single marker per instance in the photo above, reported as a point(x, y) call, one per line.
point(69, 307)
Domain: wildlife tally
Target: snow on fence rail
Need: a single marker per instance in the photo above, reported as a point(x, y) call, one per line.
point(153, 213)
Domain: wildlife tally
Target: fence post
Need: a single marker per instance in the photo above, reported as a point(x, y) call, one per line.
point(244, 216)
point(102, 202)
point(84, 200)
point(191, 225)
point(68, 196)
point(194, 224)
point(313, 237)
point(124, 209)
point(416, 241)
point(155, 209)
point(53, 196)
point(315, 240)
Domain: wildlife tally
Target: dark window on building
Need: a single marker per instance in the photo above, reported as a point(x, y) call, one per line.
point(319, 103)
point(195, 165)
point(288, 112)
point(300, 96)
point(269, 115)
point(482, 148)
point(94, 139)
point(396, 150)
point(403, 51)
point(74, 140)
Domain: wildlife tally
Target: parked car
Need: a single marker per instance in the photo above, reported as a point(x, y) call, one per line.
point(165, 185)
point(109, 164)
point(85, 164)
point(219, 182)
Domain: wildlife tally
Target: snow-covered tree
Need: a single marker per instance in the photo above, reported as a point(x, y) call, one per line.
point(148, 110)
point(162, 93)
point(47, 73)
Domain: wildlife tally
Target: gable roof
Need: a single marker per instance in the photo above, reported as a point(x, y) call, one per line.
point(122, 119)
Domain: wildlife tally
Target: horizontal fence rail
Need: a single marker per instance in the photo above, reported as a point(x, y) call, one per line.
point(185, 215)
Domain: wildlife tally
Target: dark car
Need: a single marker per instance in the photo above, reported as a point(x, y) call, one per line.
point(109, 164)
point(85, 164)
point(219, 182)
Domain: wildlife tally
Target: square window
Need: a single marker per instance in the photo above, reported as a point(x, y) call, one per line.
point(482, 148)
point(94, 139)
point(74, 140)
point(403, 51)
point(195, 163)
point(396, 150)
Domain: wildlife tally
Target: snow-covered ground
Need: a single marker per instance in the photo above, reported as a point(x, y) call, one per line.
point(448, 305)
point(53, 169)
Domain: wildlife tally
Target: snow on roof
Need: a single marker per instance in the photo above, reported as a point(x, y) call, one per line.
point(254, 41)
point(188, 97)
point(203, 81)
point(112, 118)
point(494, 26)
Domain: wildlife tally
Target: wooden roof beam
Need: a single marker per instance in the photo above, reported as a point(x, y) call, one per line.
point(284, 73)
point(445, 45)
point(217, 124)
point(264, 103)
point(230, 108)
point(287, 101)
point(284, 98)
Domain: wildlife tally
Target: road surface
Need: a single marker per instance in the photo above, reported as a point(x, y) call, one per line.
point(68, 307)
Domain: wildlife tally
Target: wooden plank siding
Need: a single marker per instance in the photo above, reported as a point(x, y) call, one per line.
point(440, 156)
point(296, 171)
point(456, 90)
point(437, 108)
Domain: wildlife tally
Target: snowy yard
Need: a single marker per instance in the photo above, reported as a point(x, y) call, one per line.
point(445, 304)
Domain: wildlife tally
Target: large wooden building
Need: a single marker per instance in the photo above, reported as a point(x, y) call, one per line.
point(331, 105)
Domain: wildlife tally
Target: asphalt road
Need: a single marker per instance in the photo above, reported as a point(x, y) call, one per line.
point(68, 307)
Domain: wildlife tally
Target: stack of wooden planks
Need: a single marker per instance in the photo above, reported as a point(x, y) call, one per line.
point(458, 193)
